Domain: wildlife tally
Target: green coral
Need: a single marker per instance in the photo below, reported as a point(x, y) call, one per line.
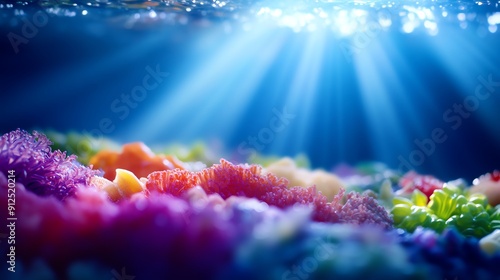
point(495, 218)
point(451, 206)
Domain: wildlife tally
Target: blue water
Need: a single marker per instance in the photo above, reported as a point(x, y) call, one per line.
point(404, 83)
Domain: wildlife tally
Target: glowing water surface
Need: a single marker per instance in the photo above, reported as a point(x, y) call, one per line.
point(392, 81)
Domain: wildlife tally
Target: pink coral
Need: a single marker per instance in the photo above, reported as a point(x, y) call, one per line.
point(228, 180)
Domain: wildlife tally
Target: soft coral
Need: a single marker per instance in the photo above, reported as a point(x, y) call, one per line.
point(38, 168)
point(228, 180)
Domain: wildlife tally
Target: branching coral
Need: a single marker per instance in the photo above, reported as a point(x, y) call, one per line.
point(228, 180)
point(41, 170)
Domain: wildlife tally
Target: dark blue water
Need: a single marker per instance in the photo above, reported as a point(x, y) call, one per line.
point(416, 85)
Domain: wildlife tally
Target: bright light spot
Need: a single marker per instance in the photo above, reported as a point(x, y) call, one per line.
point(431, 27)
point(385, 22)
point(298, 21)
point(461, 16)
point(188, 10)
point(359, 13)
point(69, 13)
point(444, 13)
point(347, 29)
point(276, 13)
point(152, 14)
point(263, 11)
point(420, 14)
point(492, 28)
point(322, 14)
point(346, 25)
point(289, 21)
point(430, 24)
point(494, 18)
point(269, 11)
point(428, 13)
point(408, 27)
point(84, 12)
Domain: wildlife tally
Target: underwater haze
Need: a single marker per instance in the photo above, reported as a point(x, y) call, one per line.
point(412, 84)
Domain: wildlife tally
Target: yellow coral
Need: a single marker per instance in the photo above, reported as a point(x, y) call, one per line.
point(125, 184)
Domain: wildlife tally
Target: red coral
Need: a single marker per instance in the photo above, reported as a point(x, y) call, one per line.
point(424, 183)
point(227, 180)
point(495, 176)
point(173, 181)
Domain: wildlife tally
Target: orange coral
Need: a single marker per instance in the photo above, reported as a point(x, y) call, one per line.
point(135, 157)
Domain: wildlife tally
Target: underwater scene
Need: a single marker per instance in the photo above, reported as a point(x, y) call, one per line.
point(249, 139)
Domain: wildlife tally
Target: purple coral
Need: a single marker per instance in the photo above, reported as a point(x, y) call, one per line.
point(38, 168)
point(363, 209)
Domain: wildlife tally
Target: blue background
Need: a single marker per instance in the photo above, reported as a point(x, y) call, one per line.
point(223, 86)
